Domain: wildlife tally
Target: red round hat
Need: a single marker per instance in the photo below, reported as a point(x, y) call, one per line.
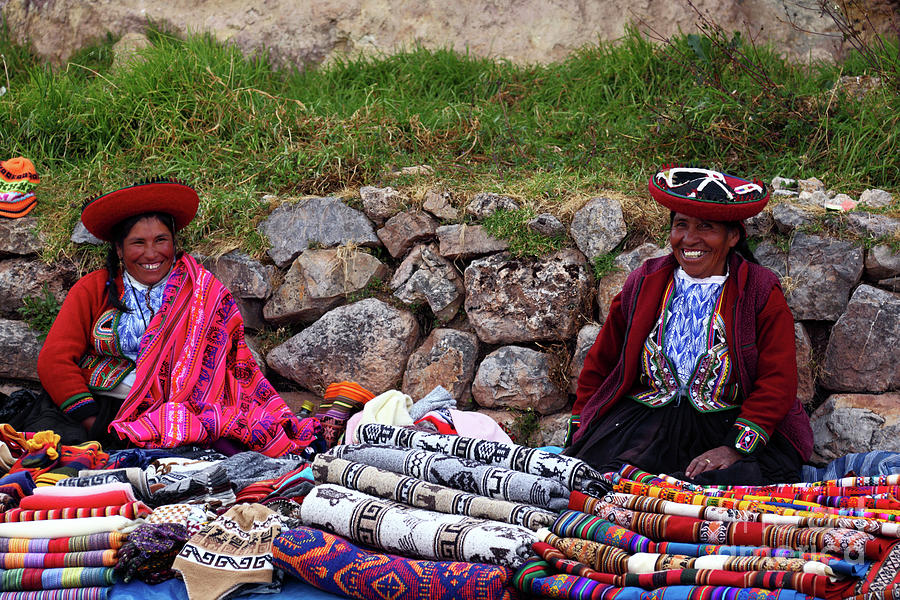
point(101, 214)
point(708, 194)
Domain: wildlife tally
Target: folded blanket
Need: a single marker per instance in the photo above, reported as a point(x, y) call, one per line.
point(50, 579)
point(89, 593)
point(461, 474)
point(415, 492)
point(335, 565)
point(573, 473)
point(413, 532)
point(78, 543)
point(67, 527)
point(131, 510)
point(55, 560)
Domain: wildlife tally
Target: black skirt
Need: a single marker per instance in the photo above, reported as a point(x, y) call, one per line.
point(668, 438)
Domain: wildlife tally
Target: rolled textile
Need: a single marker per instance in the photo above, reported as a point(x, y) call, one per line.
point(81, 501)
point(413, 532)
point(415, 492)
point(573, 473)
point(130, 510)
point(57, 560)
point(18, 485)
point(68, 527)
point(102, 488)
point(334, 565)
point(134, 476)
point(78, 543)
point(89, 593)
point(462, 474)
point(50, 579)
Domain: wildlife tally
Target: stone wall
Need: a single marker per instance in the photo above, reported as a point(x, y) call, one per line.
point(409, 298)
point(525, 31)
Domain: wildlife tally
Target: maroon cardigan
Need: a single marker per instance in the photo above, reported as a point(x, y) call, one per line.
point(760, 335)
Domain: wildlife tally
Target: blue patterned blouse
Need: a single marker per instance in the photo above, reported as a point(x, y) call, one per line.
point(142, 302)
point(692, 305)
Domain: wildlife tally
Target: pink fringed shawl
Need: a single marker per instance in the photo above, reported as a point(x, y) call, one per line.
point(196, 380)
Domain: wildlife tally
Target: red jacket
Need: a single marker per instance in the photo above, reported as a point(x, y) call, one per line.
point(759, 324)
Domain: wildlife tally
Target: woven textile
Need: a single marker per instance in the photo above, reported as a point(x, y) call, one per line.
point(190, 516)
point(462, 474)
point(335, 565)
point(150, 551)
point(67, 527)
point(415, 492)
point(131, 510)
point(81, 543)
point(57, 560)
point(573, 473)
point(197, 381)
point(12, 580)
point(413, 532)
point(86, 478)
point(91, 593)
point(883, 579)
point(339, 402)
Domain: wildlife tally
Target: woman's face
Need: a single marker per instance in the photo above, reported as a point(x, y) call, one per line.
point(148, 250)
point(701, 247)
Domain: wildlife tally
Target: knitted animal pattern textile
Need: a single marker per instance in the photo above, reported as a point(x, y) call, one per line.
point(415, 492)
point(573, 473)
point(335, 565)
point(461, 474)
point(414, 532)
point(233, 550)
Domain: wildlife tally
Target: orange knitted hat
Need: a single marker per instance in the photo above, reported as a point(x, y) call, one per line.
point(18, 177)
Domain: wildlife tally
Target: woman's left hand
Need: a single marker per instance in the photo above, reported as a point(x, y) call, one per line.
point(713, 460)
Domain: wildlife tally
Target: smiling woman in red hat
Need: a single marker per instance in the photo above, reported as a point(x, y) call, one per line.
point(694, 371)
point(151, 348)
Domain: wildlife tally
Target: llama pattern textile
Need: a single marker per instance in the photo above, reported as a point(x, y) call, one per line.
point(334, 565)
point(461, 474)
point(415, 492)
point(573, 473)
point(413, 532)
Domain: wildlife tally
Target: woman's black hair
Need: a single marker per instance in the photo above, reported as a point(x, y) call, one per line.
point(742, 247)
point(119, 233)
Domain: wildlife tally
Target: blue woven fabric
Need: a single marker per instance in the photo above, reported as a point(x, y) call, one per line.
point(689, 312)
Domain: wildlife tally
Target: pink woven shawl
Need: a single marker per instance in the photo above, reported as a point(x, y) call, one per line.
point(196, 380)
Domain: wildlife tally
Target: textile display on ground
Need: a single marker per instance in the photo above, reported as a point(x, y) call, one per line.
point(417, 493)
point(460, 473)
point(415, 533)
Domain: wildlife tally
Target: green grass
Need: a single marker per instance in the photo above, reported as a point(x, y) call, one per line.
point(237, 128)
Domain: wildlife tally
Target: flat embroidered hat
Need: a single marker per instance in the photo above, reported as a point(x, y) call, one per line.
point(18, 178)
point(101, 214)
point(708, 194)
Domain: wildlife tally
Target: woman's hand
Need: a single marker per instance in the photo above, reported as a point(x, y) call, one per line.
point(88, 423)
point(713, 460)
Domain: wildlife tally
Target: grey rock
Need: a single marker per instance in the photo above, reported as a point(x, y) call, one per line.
point(806, 378)
point(785, 193)
point(245, 277)
point(402, 231)
point(516, 377)
point(783, 183)
point(467, 241)
point(447, 358)
point(867, 224)
point(861, 354)
point(607, 288)
point(760, 224)
point(380, 204)
point(611, 283)
point(773, 258)
point(816, 198)
point(822, 272)
point(841, 202)
point(813, 184)
point(251, 311)
point(598, 227)
point(789, 217)
point(439, 203)
point(553, 429)
point(426, 276)
point(516, 300)
point(548, 225)
point(485, 204)
point(19, 237)
point(367, 342)
point(80, 235)
point(128, 50)
point(891, 284)
point(587, 335)
point(258, 358)
point(631, 260)
point(21, 278)
point(882, 263)
point(320, 280)
point(327, 222)
point(20, 346)
point(851, 423)
point(875, 198)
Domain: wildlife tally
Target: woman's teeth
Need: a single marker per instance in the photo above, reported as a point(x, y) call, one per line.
point(692, 253)
point(152, 267)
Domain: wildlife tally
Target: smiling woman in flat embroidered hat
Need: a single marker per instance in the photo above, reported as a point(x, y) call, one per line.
point(151, 349)
point(694, 372)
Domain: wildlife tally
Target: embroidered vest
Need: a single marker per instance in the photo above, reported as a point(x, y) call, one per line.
point(106, 362)
point(708, 389)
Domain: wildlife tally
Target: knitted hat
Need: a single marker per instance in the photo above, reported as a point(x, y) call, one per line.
point(706, 194)
point(341, 400)
point(18, 178)
point(102, 213)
